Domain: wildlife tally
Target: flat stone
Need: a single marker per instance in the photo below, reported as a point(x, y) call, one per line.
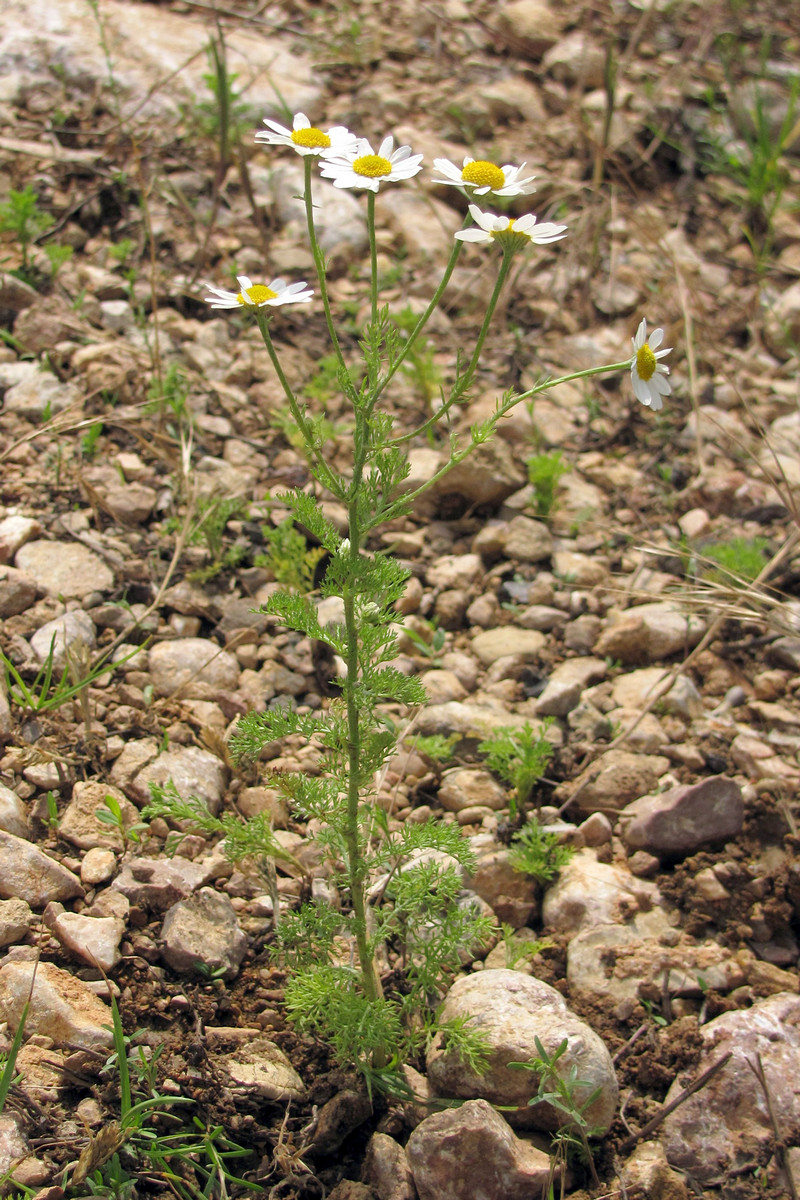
point(94, 939)
point(527, 540)
point(455, 571)
point(463, 787)
point(80, 824)
point(16, 920)
point(157, 883)
point(29, 874)
point(18, 591)
point(194, 772)
point(197, 666)
point(726, 1126)
point(66, 634)
point(511, 1010)
point(678, 822)
point(203, 929)
point(649, 633)
point(512, 895)
point(566, 684)
point(15, 531)
point(260, 1068)
point(65, 569)
point(386, 1169)
point(615, 779)
point(40, 392)
point(507, 640)
point(62, 1007)
point(13, 818)
point(588, 893)
point(470, 1153)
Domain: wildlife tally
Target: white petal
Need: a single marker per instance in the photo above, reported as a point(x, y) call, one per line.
point(661, 353)
point(659, 384)
point(386, 147)
point(473, 235)
point(640, 389)
point(656, 338)
point(243, 282)
point(276, 128)
point(277, 285)
point(444, 166)
point(641, 335)
point(301, 121)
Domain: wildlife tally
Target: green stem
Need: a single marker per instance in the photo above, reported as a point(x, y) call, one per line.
point(423, 320)
point(373, 256)
point(319, 261)
point(305, 428)
point(461, 386)
point(401, 506)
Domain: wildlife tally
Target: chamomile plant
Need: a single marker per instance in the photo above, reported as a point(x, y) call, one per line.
point(367, 977)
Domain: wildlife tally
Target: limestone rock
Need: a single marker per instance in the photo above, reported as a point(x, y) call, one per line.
point(194, 772)
point(195, 665)
point(18, 591)
point(65, 569)
point(527, 540)
point(588, 893)
point(615, 779)
point(261, 1068)
point(94, 939)
point(386, 1169)
point(62, 1006)
point(506, 640)
point(679, 821)
point(566, 684)
point(511, 1010)
point(512, 895)
point(13, 818)
point(16, 919)
point(66, 634)
point(470, 1153)
point(203, 929)
point(80, 823)
point(649, 633)
point(529, 27)
point(157, 883)
point(727, 1126)
point(29, 874)
point(466, 786)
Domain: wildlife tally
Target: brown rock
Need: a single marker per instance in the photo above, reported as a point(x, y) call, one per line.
point(677, 822)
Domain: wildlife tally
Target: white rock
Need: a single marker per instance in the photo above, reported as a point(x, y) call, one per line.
point(62, 1006)
point(66, 635)
point(566, 684)
point(195, 665)
point(13, 818)
point(65, 569)
point(261, 1068)
point(94, 939)
point(727, 1126)
point(29, 874)
point(588, 893)
point(511, 1010)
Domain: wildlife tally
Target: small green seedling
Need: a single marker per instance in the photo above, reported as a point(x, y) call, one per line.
point(519, 757)
point(289, 558)
point(740, 560)
point(570, 1097)
point(544, 472)
point(111, 814)
point(538, 853)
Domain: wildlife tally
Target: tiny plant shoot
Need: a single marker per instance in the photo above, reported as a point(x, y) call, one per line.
point(395, 893)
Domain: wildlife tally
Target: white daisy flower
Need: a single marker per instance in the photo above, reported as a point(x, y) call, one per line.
point(510, 231)
point(647, 374)
point(258, 295)
point(361, 167)
point(305, 138)
point(485, 177)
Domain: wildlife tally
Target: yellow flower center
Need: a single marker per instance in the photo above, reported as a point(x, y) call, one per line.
point(311, 138)
point(510, 235)
point(256, 295)
point(483, 174)
point(372, 165)
point(645, 362)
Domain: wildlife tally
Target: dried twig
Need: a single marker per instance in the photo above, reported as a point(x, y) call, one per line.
point(666, 1109)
